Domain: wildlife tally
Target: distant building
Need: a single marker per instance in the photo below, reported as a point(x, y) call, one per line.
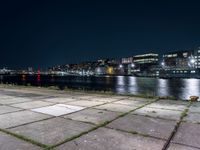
point(180, 64)
point(145, 64)
point(197, 58)
point(146, 59)
point(100, 70)
point(127, 60)
point(177, 60)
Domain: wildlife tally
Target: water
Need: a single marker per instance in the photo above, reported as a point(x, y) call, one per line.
point(178, 88)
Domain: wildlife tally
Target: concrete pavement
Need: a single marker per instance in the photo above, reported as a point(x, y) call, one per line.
point(34, 119)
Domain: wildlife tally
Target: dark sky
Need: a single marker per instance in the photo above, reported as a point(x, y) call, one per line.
point(45, 33)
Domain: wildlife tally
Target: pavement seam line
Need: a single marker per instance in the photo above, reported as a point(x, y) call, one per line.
point(184, 114)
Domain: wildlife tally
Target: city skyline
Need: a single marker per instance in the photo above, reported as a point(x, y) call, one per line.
point(43, 34)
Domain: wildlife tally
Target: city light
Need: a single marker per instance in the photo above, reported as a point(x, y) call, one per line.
point(132, 65)
point(163, 63)
point(110, 70)
point(120, 66)
point(192, 60)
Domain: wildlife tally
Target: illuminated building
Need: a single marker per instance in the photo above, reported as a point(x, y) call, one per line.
point(180, 64)
point(127, 60)
point(110, 70)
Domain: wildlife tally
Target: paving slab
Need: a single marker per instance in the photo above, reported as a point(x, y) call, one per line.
point(59, 100)
point(178, 102)
point(104, 99)
point(85, 103)
point(14, 100)
point(145, 125)
point(7, 109)
point(194, 109)
point(192, 117)
point(196, 104)
point(58, 109)
point(164, 105)
point(108, 139)
point(131, 102)
point(188, 134)
point(180, 147)
point(93, 116)
point(6, 97)
point(52, 131)
point(116, 107)
point(21, 117)
point(86, 96)
point(32, 104)
point(158, 113)
point(141, 99)
point(119, 97)
point(8, 142)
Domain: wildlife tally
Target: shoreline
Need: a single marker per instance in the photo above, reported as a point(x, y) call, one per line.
point(71, 75)
point(109, 93)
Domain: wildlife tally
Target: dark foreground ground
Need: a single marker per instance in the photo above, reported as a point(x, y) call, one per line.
point(34, 119)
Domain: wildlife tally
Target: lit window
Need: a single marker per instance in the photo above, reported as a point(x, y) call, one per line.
point(185, 54)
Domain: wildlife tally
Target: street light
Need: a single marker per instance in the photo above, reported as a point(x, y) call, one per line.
point(192, 60)
point(120, 66)
point(132, 65)
point(163, 63)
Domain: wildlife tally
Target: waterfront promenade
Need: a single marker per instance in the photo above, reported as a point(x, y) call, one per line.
point(39, 118)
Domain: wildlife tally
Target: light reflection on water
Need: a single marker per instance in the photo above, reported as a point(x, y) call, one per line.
point(163, 87)
point(179, 88)
point(132, 85)
point(191, 87)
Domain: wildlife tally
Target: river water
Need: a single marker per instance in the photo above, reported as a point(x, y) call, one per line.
point(178, 88)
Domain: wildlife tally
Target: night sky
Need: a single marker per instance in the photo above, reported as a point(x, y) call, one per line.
point(40, 33)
